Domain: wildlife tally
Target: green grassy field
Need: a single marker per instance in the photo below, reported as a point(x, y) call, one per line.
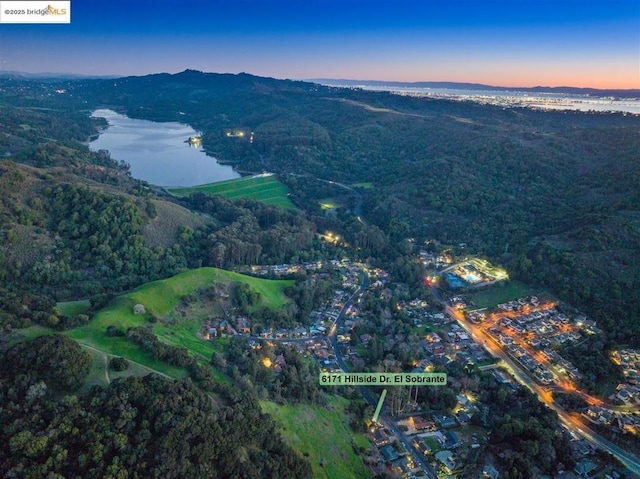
point(260, 188)
point(321, 433)
point(501, 292)
point(96, 376)
point(27, 334)
point(99, 366)
point(159, 298)
point(73, 308)
point(432, 443)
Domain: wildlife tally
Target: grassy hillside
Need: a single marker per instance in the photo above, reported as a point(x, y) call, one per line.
point(321, 433)
point(163, 229)
point(159, 299)
point(73, 308)
point(260, 188)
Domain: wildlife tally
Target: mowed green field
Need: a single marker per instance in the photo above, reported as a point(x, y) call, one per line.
point(322, 434)
point(260, 188)
point(159, 298)
point(501, 292)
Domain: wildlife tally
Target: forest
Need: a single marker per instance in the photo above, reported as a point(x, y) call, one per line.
point(552, 196)
point(141, 427)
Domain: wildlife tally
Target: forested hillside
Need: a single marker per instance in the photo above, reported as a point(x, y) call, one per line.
point(74, 224)
point(552, 195)
point(141, 427)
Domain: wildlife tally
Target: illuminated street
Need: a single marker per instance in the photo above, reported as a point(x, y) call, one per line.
point(571, 422)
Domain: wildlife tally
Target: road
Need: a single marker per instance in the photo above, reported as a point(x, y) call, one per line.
point(357, 211)
point(570, 422)
point(561, 382)
point(333, 331)
point(368, 393)
point(155, 371)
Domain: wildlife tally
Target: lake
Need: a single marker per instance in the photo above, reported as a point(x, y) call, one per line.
point(158, 152)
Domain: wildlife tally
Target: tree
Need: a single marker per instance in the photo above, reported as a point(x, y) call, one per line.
point(57, 360)
point(118, 364)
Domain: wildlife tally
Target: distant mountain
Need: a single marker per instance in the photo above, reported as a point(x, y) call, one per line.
point(632, 93)
point(196, 83)
point(51, 76)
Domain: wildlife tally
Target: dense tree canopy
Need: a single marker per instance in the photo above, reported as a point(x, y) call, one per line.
point(138, 428)
point(56, 360)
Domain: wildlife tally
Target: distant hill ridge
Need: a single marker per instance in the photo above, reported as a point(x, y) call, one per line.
point(50, 76)
point(221, 77)
point(630, 93)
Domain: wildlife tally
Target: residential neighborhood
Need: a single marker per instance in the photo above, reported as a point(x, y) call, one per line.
point(411, 442)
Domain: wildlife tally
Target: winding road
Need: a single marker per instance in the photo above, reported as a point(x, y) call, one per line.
point(368, 393)
point(357, 211)
point(571, 422)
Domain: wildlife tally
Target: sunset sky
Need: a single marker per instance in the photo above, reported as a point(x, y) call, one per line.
point(509, 43)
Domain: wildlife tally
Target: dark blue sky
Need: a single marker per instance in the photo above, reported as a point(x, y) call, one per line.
point(513, 43)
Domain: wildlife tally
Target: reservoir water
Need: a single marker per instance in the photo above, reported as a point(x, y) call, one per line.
point(158, 152)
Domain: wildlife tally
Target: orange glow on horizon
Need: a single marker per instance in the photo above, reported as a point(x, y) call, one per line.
point(607, 76)
point(605, 83)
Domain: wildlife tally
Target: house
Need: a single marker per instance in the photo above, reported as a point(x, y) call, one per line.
point(584, 467)
point(451, 440)
point(424, 365)
point(402, 465)
point(322, 353)
point(243, 325)
point(282, 333)
point(433, 338)
point(422, 424)
point(500, 377)
point(380, 438)
point(444, 421)
point(447, 460)
point(422, 446)
point(490, 472)
point(316, 344)
point(581, 448)
point(463, 418)
point(279, 364)
point(436, 350)
point(389, 453)
point(221, 326)
point(623, 395)
point(300, 333)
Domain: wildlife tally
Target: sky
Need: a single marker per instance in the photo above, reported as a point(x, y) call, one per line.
point(586, 43)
